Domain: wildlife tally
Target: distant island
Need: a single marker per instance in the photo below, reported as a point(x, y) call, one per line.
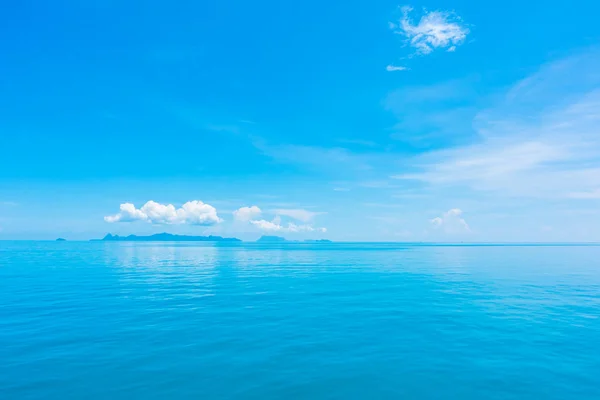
point(165, 237)
point(279, 239)
point(271, 239)
point(61, 240)
point(168, 237)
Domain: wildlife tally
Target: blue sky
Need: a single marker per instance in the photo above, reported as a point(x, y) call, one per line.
point(353, 120)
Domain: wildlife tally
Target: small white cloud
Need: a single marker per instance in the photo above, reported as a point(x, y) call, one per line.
point(451, 49)
point(392, 68)
point(266, 225)
point(435, 30)
point(193, 212)
point(246, 214)
point(451, 222)
point(275, 226)
point(297, 214)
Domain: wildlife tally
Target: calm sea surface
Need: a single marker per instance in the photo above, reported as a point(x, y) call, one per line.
point(298, 321)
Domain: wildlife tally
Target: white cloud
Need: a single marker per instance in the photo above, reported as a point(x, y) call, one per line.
point(246, 214)
point(128, 213)
point(249, 215)
point(198, 213)
point(298, 214)
point(435, 30)
point(193, 212)
point(266, 225)
point(392, 68)
point(451, 222)
point(275, 226)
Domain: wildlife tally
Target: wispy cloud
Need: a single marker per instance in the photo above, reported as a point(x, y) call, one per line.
point(593, 194)
point(378, 184)
point(392, 68)
point(438, 114)
point(435, 30)
point(323, 159)
point(534, 143)
point(358, 142)
point(223, 128)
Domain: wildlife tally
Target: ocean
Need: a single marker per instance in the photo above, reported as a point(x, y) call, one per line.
point(81, 320)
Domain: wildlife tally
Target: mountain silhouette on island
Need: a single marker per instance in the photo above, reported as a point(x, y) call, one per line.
point(279, 239)
point(165, 237)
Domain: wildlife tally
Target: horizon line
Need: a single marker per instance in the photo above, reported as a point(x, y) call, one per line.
point(330, 241)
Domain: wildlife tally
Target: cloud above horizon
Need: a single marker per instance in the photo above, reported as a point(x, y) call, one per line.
point(250, 215)
point(193, 212)
point(276, 226)
point(451, 222)
point(435, 30)
point(245, 214)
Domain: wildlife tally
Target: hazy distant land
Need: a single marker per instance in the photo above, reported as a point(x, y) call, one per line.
point(279, 239)
point(167, 237)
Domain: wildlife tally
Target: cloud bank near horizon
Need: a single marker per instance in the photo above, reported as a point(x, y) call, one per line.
point(193, 212)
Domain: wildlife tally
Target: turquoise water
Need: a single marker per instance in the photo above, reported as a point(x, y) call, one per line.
point(324, 321)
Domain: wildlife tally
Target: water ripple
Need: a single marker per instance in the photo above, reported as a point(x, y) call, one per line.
point(179, 320)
